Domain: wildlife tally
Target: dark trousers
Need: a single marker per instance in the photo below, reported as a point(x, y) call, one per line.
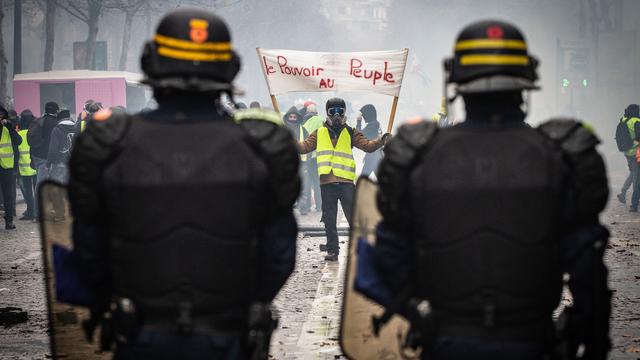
point(28, 190)
point(331, 193)
point(633, 180)
point(370, 163)
point(8, 188)
point(313, 181)
point(446, 348)
point(161, 346)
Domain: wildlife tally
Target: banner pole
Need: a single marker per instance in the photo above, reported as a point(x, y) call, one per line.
point(274, 102)
point(393, 114)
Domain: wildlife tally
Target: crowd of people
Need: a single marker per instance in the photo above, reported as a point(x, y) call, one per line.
point(454, 233)
point(33, 150)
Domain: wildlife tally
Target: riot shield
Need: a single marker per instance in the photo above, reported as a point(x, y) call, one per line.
point(357, 337)
point(66, 335)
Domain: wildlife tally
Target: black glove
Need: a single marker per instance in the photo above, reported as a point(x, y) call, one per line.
point(386, 138)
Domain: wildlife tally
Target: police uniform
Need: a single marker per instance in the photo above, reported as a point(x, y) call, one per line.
point(482, 219)
point(193, 269)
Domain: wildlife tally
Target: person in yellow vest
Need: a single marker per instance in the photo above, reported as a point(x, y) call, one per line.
point(293, 121)
point(25, 170)
point(9, 142)
point(86, 115)
point(333, 143)
point(312, 122)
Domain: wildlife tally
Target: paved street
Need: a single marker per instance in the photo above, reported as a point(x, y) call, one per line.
point(309, 305)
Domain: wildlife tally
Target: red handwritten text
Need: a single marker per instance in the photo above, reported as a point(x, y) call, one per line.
point(356, 70)
point(297, 71)
point(327, 83)
point(268, 68)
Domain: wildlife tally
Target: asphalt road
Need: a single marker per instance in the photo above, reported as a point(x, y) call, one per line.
point(309, 304)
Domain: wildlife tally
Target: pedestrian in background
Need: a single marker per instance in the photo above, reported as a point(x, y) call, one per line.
point(9, 155)
point(39, 136)
point(631, 123)
point(312, 122)
point(27, 173)
point(371, 131)
point(294, 121)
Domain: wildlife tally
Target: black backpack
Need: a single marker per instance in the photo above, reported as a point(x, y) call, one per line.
point(623, 139)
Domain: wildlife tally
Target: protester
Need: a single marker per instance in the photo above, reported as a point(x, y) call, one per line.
point(312, 122)
point(371, 131)
point(10, 140)
point(333, 143)
point(39, 136)
point(293, 120)
point(27, 172)
point(630, 126)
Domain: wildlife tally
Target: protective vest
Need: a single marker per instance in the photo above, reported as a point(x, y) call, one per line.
point(186, 203)
point(25, 157)
point(631, 125)
point(338, 160)
point(303, 157)
point(83, 124)
point(486, 232)
point(6, 149)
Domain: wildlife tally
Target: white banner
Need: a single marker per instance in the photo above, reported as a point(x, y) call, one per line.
point(291, 70)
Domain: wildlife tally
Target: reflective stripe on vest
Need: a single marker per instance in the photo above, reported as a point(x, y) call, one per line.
point(6, 149)
point(338, 160)
point(631, 125)
point(303, 157)
point(24, 162)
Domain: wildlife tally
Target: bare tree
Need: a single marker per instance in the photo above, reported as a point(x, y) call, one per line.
point(130, 8)
point(89, 12)
point(3, 59)
point(49, 9)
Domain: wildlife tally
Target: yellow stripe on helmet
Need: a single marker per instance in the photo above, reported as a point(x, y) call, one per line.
point(193, 56)
point(490, 44)
point(189, 45)
point(470, 60)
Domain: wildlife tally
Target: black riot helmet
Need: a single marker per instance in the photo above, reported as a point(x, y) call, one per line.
point(191, 51)
point(491, 56)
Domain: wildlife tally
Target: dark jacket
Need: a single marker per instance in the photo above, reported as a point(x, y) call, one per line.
point(39, 135)
point(61, 142)
point(295, 126)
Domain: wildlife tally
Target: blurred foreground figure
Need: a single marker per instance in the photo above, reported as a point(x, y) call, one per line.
point(183, 226)
point(482, 219)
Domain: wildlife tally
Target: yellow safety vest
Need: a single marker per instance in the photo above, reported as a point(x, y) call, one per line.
point(6, 149)
point(24, 162)
point(303, 157)
point(338, 160)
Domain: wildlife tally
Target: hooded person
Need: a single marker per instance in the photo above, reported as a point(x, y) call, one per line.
point(371, 131)
point(62, 138)
point(293, 121)
point(334, 143)
point(39, 136)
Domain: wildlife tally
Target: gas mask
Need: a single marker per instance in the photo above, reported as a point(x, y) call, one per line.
point(336, 116)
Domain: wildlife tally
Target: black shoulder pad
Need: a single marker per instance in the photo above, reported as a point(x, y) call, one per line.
point(275, 145)
point(96, 146)
point(394, 170)
point(573, 136)
point(92, 151)
point(411, 138)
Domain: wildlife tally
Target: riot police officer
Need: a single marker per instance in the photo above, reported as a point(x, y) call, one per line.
point(183, 224)
point(482, 220)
